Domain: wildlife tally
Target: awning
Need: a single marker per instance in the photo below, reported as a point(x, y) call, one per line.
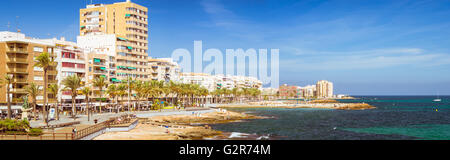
point(97, 60)
point(129, 47)
point(127, 15)
point(123, 39)
point(115, 80)
point(131, 68)
point(102, 68)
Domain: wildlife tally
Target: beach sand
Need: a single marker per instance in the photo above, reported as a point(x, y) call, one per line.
point(177, 127)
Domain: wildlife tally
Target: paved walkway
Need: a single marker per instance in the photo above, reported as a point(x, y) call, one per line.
point(106, 116)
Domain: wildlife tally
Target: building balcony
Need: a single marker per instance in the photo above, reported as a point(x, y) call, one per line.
point(20, 80)
point(18, 90)
point(17, 60)
point(52, 72)
point(17, 70)
point(52, 81)
point(100, 72)
point(17, 50)
point(99, 64)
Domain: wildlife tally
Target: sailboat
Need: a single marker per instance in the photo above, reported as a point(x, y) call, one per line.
point(437, 99)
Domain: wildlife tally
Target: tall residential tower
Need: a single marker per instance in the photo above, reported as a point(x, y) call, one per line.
point(128, 22)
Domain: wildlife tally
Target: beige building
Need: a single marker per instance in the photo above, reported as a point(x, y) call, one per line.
point(125, 25)
point(17, 54)
point(164, 69)
point(324, 89)
point(71, 60)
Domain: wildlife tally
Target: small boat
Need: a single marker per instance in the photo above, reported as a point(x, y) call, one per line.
point(437, 99)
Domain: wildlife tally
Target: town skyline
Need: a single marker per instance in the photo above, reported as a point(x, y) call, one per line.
point(399, 55)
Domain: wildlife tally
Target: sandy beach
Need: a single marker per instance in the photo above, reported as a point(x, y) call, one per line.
point(177, 127)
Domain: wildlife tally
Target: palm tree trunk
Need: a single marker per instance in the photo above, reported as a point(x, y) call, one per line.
point(57, 109)
point(73, 107)
point(87, 107)
point(34, 108)
point(45, 98)
point(100, 108)
point(9, 102)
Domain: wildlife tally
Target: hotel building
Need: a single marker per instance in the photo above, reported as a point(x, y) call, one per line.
point(324, 89)
point(71, 60)
point(17, 59)
point(124, 26)
point(213, 82)
point(164, 69)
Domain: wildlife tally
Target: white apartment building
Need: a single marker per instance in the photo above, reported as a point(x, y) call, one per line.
point(101, 56)
point(212, 82)
point(202, 79)
point(164, 69)
point(324, 89)
point(71, 60)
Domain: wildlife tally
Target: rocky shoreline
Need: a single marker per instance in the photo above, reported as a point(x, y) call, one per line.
point(178, 127)
point(320, 104)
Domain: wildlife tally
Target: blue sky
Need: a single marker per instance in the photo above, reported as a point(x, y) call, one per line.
point(376, 47)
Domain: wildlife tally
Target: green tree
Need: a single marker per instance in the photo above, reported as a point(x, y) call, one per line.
point(100, 83)
point(112, 92)
point(7, 81)
point(72, 83)
point(45, 62)
point(86, 91)
point(54, 89)
point(121, 92)
point(33, 91)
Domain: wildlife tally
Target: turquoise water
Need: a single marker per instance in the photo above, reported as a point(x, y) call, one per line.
point(396, 117)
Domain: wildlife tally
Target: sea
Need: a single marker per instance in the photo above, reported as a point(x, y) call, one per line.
point(395, 118)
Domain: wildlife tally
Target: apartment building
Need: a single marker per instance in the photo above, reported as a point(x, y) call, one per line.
point(287, 91)
point(202, 79)
point(17, 59)
point(124, 26)
point(213, 82)
point(324, 89)
point(71, 60)
point(164, 69)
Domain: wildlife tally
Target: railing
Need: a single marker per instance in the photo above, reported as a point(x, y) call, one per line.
point(98, 127)
point(31, 136)
point(20, 80)
point(23, 60)
point(17, 50)
point(17, 70)
point(68, 136)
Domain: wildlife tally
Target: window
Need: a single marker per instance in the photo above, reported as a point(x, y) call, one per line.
point(81, 66)
point(38, 69)
point(38, 78)
point(38, 49)
point(68, 64)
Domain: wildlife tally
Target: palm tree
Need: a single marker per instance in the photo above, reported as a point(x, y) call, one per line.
point(44, 61)
point(175, 90)
point(72, 83)
point(130, 86)
point(112, 91)
point(121, 92)
point(204, 93)
point(33, 91)
point(86, 91)
point(100, 83)
point(7, 81)
point(54, 89)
